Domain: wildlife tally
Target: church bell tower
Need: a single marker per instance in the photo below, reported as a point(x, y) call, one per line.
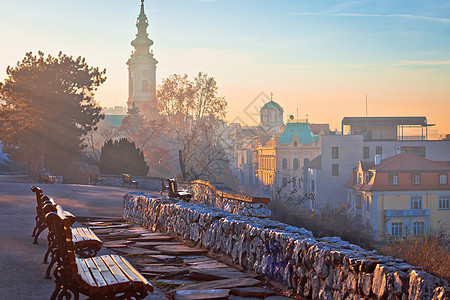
point(142, 67)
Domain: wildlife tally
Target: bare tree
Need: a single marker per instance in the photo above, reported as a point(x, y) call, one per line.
point(139, 128)
point(95, 139)
point(194, 114)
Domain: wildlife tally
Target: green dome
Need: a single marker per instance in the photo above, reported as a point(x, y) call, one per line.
point(272, 105)
point(302, 130)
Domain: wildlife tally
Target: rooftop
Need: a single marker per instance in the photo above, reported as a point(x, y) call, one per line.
point(402, 165)
point(272, 105)
point(386, 121)
point(299, 129)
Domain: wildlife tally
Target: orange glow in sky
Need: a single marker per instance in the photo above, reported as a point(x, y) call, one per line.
point(320, 57)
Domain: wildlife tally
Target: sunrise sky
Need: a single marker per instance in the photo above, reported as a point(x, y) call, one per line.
point(320, 57)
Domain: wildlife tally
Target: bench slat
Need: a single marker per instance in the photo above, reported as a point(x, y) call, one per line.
point(91, 235)
point(75, 236)
point(105, 271)
point(131, 272)
point(115, 269)
point(68, 214)
point(96, 273)
point(83, 271)
point(81, 234)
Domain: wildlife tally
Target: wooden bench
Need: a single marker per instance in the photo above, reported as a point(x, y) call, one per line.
point(99, 277)
point(41, 225)
point(164, 186)
point(176, 193)
point(44, 178)
point(127, 179)
point(87, 243)
point(93, 178)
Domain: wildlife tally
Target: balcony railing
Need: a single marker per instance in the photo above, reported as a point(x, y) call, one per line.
point(406, 212)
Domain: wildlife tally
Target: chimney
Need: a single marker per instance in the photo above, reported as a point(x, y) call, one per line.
point(377, 159)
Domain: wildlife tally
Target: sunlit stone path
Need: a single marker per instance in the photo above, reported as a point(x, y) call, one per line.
point(177, 270)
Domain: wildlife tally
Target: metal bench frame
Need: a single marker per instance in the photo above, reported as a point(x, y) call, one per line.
point(86, 242)
point(128, 179)
point(178, 193)
point(99, 277)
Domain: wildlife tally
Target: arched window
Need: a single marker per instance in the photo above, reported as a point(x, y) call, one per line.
point(416, 202)
point(296, 164)
point(284, 180)
point(294, 182)
point(284, 163)
point(295, 143)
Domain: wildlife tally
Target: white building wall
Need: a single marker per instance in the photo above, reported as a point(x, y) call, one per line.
point(330, 190)
point(434, 150)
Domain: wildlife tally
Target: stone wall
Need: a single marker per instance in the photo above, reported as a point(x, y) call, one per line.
point(219, 196)
point(316, 268)
point(145, 183)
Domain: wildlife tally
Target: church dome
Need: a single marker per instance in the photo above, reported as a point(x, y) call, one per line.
point(272, 105)
point(271, 116)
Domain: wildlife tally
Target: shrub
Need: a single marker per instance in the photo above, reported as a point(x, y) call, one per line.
point(122, 156)
point(428, 252)
point(329, 222)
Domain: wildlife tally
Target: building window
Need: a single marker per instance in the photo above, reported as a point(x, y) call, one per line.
point(415, 179)
point(444, 201)
point(334, 152)
point(416, 202)
point(294, 182)
point(393, 179)
point(358, 201)
point(415, 150)
point(397, 229)
point(367, 203)
point(295, 143)
point(418, 228)
point(443, 179)
point(296, 164)
point(299, 183)
point(366, 152)
point(335, 170)
point(367, 177)
point(313, 187)
point(360, 178)
point(284, 180)
point(144, 85)
point(379, 150)
point(284, 163)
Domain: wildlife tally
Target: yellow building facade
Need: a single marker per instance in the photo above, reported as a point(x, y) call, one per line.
point(401, 196)
point(280, 160)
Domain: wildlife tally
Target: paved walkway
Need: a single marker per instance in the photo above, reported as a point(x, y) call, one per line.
point(175, 270)
point(21, 267)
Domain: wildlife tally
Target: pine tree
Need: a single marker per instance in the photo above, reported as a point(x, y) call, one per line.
point(47, 106)
point(122, 156)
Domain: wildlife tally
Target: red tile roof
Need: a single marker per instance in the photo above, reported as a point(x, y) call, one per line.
point(410, 162)
point(404, 165)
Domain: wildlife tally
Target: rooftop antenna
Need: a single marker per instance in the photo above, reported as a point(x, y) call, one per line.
point(366, 106)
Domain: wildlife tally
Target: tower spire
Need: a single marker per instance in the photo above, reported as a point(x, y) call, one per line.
point(142, 43)
point(141, 66)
